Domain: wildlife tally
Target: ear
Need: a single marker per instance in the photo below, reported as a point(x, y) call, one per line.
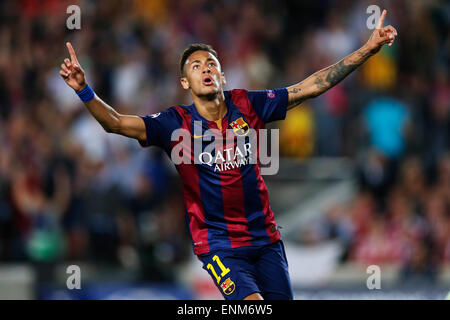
point(184, 83)
point(224, 80)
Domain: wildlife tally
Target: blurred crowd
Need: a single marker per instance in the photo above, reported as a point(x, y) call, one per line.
point(69, 191)
point(409, 225)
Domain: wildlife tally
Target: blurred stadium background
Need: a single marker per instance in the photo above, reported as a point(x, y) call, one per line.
point(365, 169)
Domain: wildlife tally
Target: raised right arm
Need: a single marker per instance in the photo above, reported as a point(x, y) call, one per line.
point(112, 121)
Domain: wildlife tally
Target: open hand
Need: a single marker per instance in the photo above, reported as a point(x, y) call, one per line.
point(71, 71)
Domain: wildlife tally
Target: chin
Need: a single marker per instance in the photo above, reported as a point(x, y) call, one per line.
point(210, 93)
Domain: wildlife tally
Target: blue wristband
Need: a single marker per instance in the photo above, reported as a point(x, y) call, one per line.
point(87, 94)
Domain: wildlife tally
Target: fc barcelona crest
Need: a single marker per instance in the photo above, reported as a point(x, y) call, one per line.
point(228, 286)
point(240, 127)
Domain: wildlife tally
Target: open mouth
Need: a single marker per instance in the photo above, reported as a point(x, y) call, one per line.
point(207, 80)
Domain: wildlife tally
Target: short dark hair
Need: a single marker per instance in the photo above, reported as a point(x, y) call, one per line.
point(193, 48)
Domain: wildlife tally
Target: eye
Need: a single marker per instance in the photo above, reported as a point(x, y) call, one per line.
point(195, 67)
point(212, 64)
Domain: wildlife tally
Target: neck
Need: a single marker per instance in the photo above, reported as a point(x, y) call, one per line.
point(211, 108)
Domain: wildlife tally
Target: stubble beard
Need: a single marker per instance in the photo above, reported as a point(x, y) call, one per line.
point(211, 95)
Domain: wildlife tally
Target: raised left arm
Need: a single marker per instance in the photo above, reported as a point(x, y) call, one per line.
point(322, 80)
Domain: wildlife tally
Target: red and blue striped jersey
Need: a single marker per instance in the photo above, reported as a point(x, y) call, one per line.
point(226, 199)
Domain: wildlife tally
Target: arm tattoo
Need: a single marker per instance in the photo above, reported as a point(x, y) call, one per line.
point(364, 55)
point(329, 77)
point(295, 90)
point(326, 78)
point(338, 72)
point(295, 102)
point(319, 83)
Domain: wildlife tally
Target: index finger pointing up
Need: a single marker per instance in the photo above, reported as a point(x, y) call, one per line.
point(73, 56)
point(381, 20)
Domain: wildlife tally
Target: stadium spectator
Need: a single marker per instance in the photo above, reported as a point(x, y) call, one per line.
point(98, 199)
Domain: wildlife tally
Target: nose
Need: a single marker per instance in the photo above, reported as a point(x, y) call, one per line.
point(206, 69)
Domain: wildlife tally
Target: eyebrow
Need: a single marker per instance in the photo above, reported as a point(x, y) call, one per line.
point(209, 59)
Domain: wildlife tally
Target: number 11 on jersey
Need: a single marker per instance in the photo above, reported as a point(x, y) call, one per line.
point(221, 266)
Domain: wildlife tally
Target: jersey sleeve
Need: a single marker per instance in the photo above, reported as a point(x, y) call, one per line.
point(159, 128)
point(269, 105)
